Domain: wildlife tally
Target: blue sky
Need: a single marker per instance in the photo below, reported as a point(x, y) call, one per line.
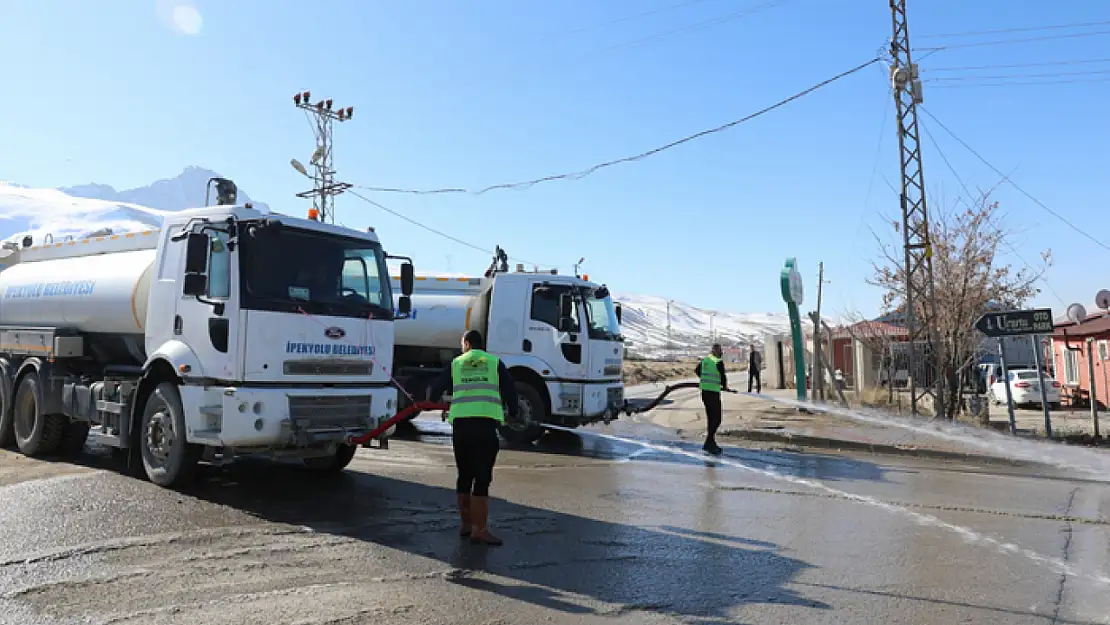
point(470, 94)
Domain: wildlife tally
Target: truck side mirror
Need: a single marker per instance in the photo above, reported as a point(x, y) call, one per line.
point(618, 310)
point(404, 305)
point(196, 253)
point(196, 284)
point(407, 278)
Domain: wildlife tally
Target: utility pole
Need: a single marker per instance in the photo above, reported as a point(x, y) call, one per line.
point(818, 375)
point(325, 188)
point(918, 267)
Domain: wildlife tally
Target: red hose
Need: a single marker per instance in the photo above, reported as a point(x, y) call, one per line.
point(390, 422)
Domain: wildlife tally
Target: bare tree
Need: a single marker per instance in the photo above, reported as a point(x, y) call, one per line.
point(970, 277)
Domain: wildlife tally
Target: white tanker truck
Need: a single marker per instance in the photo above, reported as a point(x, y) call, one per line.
point(222, 333)
point(558, 335)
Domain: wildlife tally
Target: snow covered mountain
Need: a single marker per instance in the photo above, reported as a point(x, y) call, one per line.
point(42, 212)
point(78, 211)
point(186, 190)
point(644, 325)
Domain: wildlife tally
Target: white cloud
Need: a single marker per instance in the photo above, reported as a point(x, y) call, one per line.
point(181, 16)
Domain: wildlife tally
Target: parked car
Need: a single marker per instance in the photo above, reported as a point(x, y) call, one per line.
point(1025, 388)
point(990, 373)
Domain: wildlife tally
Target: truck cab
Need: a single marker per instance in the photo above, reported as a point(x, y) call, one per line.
point(558, 335)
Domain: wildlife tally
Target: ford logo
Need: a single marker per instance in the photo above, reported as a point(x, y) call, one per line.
point(335, 333)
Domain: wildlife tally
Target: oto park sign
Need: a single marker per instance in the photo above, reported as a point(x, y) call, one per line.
point(1019, 323)
point(1016, 323)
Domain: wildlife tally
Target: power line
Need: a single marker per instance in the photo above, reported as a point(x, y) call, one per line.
point(431, 229)
point(695, 26)
point(628, 159)
point(1013, 30)
point(1025, 75)
point(967, 192)
point(976, 44)
point(1014, 65)
point(1014, 184)
point(1021, 83)
point(621, 20)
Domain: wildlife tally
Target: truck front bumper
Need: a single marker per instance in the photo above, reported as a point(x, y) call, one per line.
point(283, 418)
point(586, 403)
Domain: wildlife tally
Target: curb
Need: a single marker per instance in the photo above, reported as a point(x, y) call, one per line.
point(804, 440)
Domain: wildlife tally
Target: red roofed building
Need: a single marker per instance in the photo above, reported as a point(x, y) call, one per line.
point(1068, 351)
point(858, 347)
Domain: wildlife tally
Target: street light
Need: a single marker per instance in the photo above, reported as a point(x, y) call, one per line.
point(299, 167)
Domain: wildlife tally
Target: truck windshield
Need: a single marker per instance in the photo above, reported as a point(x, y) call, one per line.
point(293, 270)
point(602, 315)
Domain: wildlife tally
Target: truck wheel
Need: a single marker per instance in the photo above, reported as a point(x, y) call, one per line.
point(526, 429)
point(36, 434)
point(73, 440)
point(167, 458)
point(332, 464)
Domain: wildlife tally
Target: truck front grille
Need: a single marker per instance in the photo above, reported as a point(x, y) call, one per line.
point(329, 412)
point(311, 367)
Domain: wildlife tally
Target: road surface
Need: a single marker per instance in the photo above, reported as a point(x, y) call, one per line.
point(597, 530)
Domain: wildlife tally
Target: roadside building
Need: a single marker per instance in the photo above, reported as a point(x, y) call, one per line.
point(1068, 350)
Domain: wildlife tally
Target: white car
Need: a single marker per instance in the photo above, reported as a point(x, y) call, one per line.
point(1026, 389)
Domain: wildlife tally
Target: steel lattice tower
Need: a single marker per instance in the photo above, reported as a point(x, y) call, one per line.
point(920, 295)
point(325, 188)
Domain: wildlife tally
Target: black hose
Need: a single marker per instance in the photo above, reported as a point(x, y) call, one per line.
point(628, 410)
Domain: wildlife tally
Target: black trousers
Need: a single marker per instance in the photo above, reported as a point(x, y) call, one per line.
point(755, 375)
point(712, 403)
point(476, 446)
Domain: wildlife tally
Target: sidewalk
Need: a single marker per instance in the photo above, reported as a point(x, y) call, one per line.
point(752, 418)
point(1065, 423)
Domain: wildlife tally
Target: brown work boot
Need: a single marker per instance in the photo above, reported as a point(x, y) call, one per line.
point(464, 516)
point(479, 515)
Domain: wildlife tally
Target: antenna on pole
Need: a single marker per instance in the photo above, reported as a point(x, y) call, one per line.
point(325, 188)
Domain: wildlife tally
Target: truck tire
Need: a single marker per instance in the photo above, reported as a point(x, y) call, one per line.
point(73, 440)
point(36, 434)
point(526, 429)
point(168, 459)
point(332, 464)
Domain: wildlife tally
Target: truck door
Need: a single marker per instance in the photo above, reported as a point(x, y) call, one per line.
point(213, 334)
point(554, 338)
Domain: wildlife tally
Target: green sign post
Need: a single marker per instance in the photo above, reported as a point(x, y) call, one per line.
point(792, 294)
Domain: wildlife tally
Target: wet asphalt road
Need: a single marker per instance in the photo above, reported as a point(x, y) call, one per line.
point(596, 530)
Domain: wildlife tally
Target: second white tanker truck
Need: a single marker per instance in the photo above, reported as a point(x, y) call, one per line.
point(558, 335)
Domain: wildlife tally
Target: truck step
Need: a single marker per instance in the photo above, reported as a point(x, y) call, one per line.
point(97, 436)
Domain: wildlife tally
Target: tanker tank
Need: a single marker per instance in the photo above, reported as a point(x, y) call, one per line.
point(102, 296)
point(438, 321)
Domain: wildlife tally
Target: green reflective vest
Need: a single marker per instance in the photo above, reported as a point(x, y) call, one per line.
point(710, 377)
point(475, 387)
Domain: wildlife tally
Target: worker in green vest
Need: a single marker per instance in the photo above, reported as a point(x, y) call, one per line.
point(712, 380)
point(482, 391)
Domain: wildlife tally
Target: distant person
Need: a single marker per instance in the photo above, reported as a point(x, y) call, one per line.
point(711, 374)
point(755, 368)
point(480, 387)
